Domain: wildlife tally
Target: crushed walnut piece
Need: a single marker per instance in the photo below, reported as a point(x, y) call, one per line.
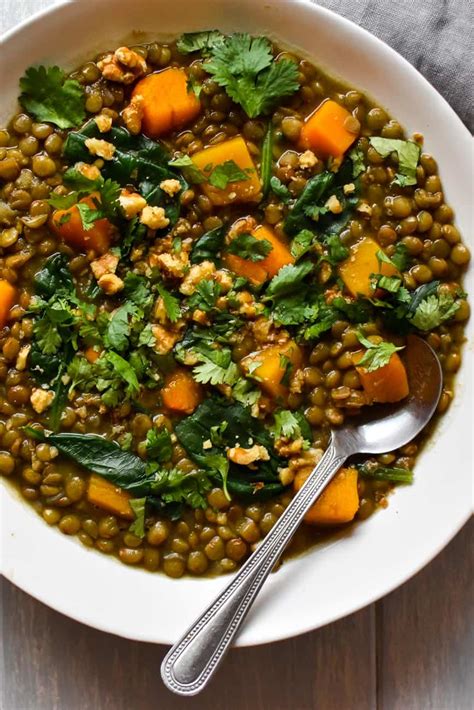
point(122, 66)
point(41, 399)
point(364, 209)
point(349, 188)
point(197, 273)
point(131, 203)
point(91, 172)
point(173, 265)
point(307, 460)
point(165, 340)
point(132, 115)
point(245, 457)
point(154, 217)
point(22, 358)
point(334, 205)
point(170, 186)
point(289, 447)
point(110, 284)
point(103, 149)
point(103, 122)
point(307, 160)
point(106, 264)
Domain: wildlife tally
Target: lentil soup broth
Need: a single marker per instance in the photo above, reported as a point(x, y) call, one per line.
point(113, 314)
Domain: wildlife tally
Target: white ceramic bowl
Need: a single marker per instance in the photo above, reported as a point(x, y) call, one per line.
point(372, 558)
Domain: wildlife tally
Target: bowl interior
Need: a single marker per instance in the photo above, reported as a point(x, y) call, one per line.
point(370, 559)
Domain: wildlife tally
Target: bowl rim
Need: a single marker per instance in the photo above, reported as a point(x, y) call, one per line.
point(20, 579)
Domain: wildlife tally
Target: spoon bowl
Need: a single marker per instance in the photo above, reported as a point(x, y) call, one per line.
point(389, 426)
point(189, 665)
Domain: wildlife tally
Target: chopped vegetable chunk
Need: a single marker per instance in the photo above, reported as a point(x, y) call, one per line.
point(329, 131)
point(338, 504)
point(68, 225)
point(232, 151)
point(105, 495)
point(272, 367)
point(167, 102)
point(385, 384)
point(181, 392)
point(356, 271)
point(260, 271)
point(7, 299)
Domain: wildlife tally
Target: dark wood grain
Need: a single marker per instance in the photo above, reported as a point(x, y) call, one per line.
point(425, 633)
point(53, 663)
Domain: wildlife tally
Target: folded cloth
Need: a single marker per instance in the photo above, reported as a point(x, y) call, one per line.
point(436, 36)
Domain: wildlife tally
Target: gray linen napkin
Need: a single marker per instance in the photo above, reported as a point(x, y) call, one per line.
point(436, 36)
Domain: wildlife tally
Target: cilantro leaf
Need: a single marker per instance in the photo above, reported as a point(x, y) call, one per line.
point(301, 243)
point(280, 190)
point(205, 296)
point(124, 370)
point(138, 526)
point(378, 354)
point(248, 247)
point(137, 290)
point(434, 310)
point(288, 278)
point(199, 41)
point(216, 368)
point(226, 173)
point(244, 66)
point(358, 162)
point(309, 203)
point(49, 96)
point(408, 153)
point(286, 424)
point(192, 172)
point(172, 305)
point(336, 250)
point(208, 246)
point(159, 446)
point(118, 328)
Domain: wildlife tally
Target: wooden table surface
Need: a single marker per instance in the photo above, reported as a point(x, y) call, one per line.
point(410, 651)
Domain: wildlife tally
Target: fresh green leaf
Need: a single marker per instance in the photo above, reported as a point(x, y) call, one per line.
point(159, 446)
point(171, 303)
point(248, 247)
point(49, 96)
point(377, 355)
point(286, 424)
point(216, 368)
point(336, 250)
point(244, 66)
point(434, 310)
point(408, 154)
point(138, 526)
point(280, 190)
point(118, 328)
point(311, 200)
point(125, 371)
point(137, 290)
point(226, 173)
point(266, 164)
point(288, 278)
point(205, 296)
point(192, 172)
point(301, 243)
point(385, 473)
point(358, 162)
point(199, 41)
point(208, 246)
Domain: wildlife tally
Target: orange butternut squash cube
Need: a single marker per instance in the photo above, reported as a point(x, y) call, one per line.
point(234, 150)
point(357, 269)
point(257, 272)
point(326, 130)
point(167, 103)
point(269, 366)
point(107, 496)
point(181, 392)
point(386, 384)
point(338, 504)
point(68, 226)
point(7, 299)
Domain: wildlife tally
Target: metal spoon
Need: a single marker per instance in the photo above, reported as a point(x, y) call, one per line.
point(191, 662)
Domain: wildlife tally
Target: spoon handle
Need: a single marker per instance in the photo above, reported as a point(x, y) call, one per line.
point(191, 662)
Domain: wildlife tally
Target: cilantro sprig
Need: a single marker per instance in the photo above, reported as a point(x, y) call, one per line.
point(245, 67)
point(50, 96)
point(377, 355)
